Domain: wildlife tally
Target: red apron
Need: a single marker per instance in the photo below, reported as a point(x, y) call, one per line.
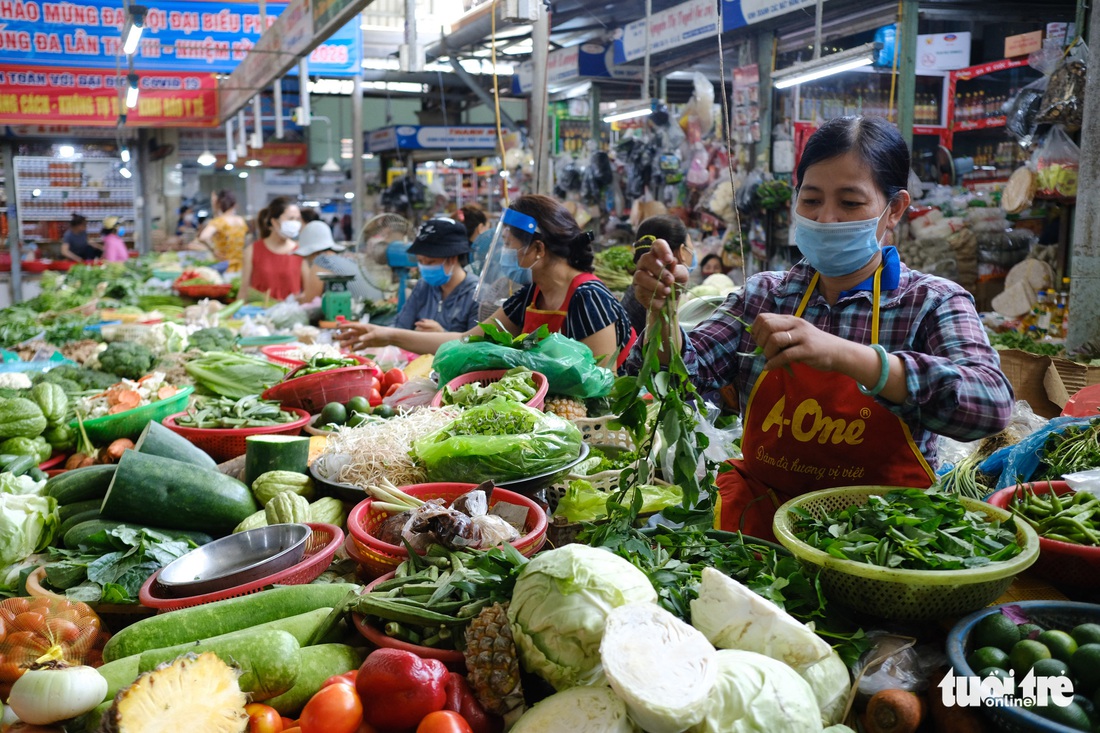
point(807, 430)
point(555, 320)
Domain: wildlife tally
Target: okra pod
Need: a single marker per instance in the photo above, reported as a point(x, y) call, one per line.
point(395, 630)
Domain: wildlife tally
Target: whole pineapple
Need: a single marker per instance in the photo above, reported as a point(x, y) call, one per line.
point(566, 407)
point(491, 661)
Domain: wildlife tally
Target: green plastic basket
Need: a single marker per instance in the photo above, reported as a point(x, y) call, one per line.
point(130, 423)
point(907, 595)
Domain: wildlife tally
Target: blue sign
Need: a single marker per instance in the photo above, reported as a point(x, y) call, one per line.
point(740, 13)
point(179, 36)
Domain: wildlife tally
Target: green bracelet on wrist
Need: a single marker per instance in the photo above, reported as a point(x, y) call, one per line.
point(883, 375)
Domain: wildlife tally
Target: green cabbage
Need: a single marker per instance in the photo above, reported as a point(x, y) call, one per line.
point(12, 484)
point(577, 710)
point(758, 694)
point(831, 683)
point(27, 524)
point(559, 609)
point(585, 503)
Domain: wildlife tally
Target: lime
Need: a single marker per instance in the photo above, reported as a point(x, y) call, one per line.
point(333, 414)
point(357, 419)
point(384, 411)
point(1086, 667)
point(1030, 631)
point(997, 630)
point(1072, 715)
point(987, 656)
point(358, 403)
point(1050, 668)
point(1061, 645)
point(1086, 634)
point(1025, 654)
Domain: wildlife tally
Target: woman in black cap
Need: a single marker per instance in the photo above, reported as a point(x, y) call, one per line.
point(443, 300)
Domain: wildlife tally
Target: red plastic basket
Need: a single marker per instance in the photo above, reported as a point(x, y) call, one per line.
point(494, 375)
point(320, 549)
point(226, 444)
point(35, 266)
point(204, 291)
point(62, 265)
point(1062, 563)
point(380, 558)
point(313, 391)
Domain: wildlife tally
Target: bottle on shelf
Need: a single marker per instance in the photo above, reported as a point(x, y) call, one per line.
point(1043, 314)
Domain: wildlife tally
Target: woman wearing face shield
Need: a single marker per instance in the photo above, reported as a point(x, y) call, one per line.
point(443, 300)
point(271, 268)
point(548, 260)
point(863, 362)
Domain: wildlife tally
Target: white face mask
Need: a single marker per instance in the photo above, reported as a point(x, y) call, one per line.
point(290, 229)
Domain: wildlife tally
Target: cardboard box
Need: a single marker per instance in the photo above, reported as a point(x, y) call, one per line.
point(1044, 382)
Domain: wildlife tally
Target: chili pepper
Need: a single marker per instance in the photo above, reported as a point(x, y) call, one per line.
point(461, 699)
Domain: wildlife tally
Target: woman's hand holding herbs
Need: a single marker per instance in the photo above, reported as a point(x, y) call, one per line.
point(784, 340)
point(656, 272)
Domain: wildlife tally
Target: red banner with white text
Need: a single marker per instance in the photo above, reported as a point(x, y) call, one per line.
point(96, 98)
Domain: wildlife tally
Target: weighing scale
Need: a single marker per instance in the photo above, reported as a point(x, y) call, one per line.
point(336, 300)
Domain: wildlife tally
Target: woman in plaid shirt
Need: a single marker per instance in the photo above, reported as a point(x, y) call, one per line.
point(864, 362)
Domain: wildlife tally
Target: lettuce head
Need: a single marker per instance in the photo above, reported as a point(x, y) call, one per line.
point(27, 524)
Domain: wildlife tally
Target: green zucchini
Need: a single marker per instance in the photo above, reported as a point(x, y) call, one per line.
point(222, 617)
point(168, 493)
point(318, 663)
point(265, 453)
point(80, 484)
point(79, 534)
point(269, 660)
point(21, 465)
point(88, 515)
point(157, 440)
point(65, 511)
point(119, 674)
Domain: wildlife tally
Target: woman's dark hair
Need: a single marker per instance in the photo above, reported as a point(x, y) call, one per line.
point(309, 215)
point(668, 228)
point(226, 200)
point(77, 220)
point(273, 211)
point(708, 258)
point(877, 143)
point(558, 230)
point(472, 217)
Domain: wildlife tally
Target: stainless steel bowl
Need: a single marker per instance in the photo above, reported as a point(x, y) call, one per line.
point(235, 560)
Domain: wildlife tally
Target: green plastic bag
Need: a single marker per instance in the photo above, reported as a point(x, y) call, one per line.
point(569, 366)
point(585, 503)
point(486, 444)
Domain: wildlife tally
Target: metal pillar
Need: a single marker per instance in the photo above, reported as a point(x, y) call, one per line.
point(13, 226)
point(765, 49)
point(357, 183)
point(594, 104)
point(144, 186)
point(907, 64)
point(538, 122)
point(486, 98)
point(412, 55)
point(303, 90)
point(646, 93)
point(1084, 320)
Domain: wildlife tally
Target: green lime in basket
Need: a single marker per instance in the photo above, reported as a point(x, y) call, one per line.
point(1086, 634)
point(1073, 715)
point(359, 403)
point(1025, 654)
point(1061, 645)
point(987, 656)
point(333, 414)
point(997, 630)
point(1030, 631)
point(1086, 667)
point(1050, 668)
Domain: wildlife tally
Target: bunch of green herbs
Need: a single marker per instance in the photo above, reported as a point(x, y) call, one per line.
point(517, 384)
point(1077, 448)
point(233, 375)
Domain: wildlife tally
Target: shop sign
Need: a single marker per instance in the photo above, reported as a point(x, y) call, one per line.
point(1023, 44)
point(59, 131)
point(284, 40)
point(274, 154)
point(668, 29)
point(943, 51)
point(81, 97)
point(432, 137)
point(740, 13)
point(569, 65)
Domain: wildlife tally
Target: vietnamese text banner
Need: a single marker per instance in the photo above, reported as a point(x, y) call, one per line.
point(740, 13)
point(92, 98)
point(179, 36)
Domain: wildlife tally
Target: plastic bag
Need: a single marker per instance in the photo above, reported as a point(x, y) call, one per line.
point(1056, 164)
point(893, 662)
point(1064, 100)
point(569, 366)
point(413, 393)
point(458, 452)
point(585, 503)
point(1017, 463)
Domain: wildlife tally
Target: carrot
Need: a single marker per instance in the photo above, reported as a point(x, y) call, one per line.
point(166, 391)
point(117, 448)
point(127, 397)
point(894, 711)
point(117, 409)
point(74, 461)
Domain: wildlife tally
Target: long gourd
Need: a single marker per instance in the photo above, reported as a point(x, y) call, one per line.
point(265, 453)
point(318, 663)
point(80, 484)
point(223, 617)
point(157, 440)
point(167, 493)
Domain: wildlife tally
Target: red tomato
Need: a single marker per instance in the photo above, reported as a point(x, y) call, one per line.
point(393, 376)
point(375, 397)
point(288, 723)
point(347, 678)
point(17, 605)
point(391, 389)
point(443, 721)
point(334, 709)
point(263, 718)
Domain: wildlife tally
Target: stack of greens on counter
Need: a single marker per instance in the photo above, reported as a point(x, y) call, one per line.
point(112, 565)
point(320, 363)
point(233, 375)
point(1077, 448)
point(615, 266)
point(227, 413)
point(517, 384)
point(909, 529)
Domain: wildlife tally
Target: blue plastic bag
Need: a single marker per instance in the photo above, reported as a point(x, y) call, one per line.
point(1017, 463)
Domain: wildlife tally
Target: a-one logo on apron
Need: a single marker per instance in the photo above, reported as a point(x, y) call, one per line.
point(809, 424)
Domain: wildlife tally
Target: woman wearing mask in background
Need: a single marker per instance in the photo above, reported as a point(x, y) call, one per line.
point(114, 249)
point(443, 300)
point(317, 247)
point(479, 234)
point(224, 235)
point(671, 230)
point(271, 269)
point(864, 362)
point(543, 251)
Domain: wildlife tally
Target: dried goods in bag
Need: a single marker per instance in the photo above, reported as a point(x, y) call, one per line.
point(1056, 164)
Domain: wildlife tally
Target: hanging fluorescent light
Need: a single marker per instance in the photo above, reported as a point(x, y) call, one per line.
point(132, 90)
point(65, 151)
point(229, 166)
point(206, 158)
point(630, 111)
point(131, 33)
point(124, 172)
point(242, 174)
point(330, 166)
point(124, 153)
point(800, 73)
point(349, 195)
point(253, 163)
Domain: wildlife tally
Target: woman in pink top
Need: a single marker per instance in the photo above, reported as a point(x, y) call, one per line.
point(114, 249)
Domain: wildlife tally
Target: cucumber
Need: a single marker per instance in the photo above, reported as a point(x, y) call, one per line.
point(265, 453)
point(79, 533)
point(80, 484)
point(21, 465)
point(269, 660)
point(119, 674)
point(168, 493)
point(68, 510)
point(87, 515)
point(222, 617)
point(318, 663)
point(157, 440)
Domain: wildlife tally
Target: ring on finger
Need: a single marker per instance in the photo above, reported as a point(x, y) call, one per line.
point(790, 340)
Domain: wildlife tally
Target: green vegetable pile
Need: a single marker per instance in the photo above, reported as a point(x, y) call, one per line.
point(486, 422)
point(321, 363)
point(1073, 518)
point(615, 266)
point(228, 413)
point(127, 360)
point(21, 324)
point(1077, 448)
point(75, 380)
point(909, 529)
point(233, 375)
point(1023, 342)
point(433, 596)
point(112, 565)
point(217, 338)
point(517, 384)
point(583, 502)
